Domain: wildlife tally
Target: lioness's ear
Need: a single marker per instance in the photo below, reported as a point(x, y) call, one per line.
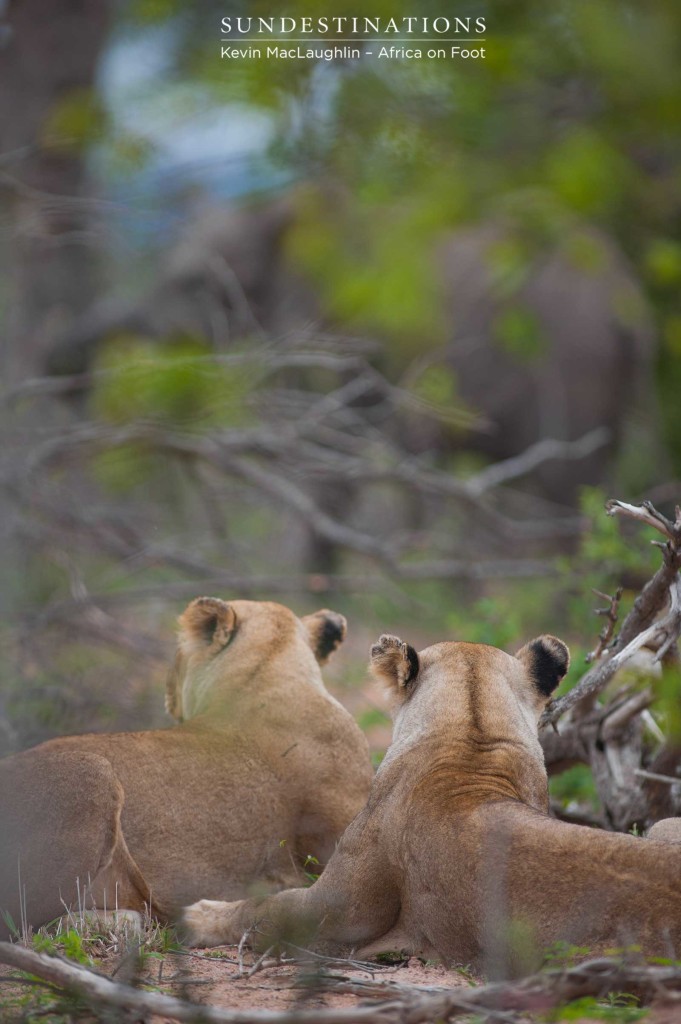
point(546, 659)
point(207, 625)
point(394, 662)
point(326, 631)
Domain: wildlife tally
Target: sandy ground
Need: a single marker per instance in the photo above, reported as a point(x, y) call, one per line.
point(232, 980)
point(220, 979)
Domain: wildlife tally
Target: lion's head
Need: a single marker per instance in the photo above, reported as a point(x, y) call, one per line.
point(225, 645)
point(474, 704)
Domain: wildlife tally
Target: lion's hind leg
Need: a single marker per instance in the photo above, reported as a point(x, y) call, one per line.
point(61, 845)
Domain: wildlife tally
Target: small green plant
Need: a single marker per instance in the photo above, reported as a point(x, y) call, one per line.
point(465, 970)
point(310, 860)
point(70, 944)
point(621, 1007)
point(563, 954)
point(9, 923)
point(392, 957)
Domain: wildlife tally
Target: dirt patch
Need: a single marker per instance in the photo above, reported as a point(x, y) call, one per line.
point(241, 982)
point(222, 978)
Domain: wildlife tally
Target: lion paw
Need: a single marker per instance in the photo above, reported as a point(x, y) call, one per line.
point(210, 923)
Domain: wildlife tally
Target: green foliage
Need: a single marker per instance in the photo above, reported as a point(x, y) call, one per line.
point(69, 943)
point(436, 385)
point(310, 861)
point(605, 559)
point(509, 262)
point(175, 383)
point(10, 923)
point(37, 1005)
point(574, 784)
point(663, 262)
point(124, 467)
point(76, 121)
point(155, 11)
point(605, 547)
point(372, 717)
point(518, 331)
point(375, 275)
point(587, 173)
point(505, 617)
point(668, 702)
point(563, 954)
point(391, 957)
point(621, 1007)
point(569, 123)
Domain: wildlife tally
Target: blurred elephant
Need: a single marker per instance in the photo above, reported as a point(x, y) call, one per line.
point(588, 358)
point(570, 350)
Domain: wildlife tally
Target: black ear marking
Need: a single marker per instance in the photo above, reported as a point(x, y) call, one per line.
point(413, 659)
point(207, 628)
point(547, 660)
point(326, 631)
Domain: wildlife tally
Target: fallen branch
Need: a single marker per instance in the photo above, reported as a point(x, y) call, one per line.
point(538, 993)
point(100, 991)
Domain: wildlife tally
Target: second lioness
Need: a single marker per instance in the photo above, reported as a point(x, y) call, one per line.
point(455, 853)
point(263, 769)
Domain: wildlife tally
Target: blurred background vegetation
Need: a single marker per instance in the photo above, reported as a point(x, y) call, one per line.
point(309, 331)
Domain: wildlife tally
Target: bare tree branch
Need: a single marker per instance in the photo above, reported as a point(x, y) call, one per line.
point(664, 633)
point(534, 456)
point(392, 1002)
point(643, 625)
point(605, 636)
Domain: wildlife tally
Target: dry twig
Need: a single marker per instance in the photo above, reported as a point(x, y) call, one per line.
point(538, 993)
point(643, 625)
point(605, 636)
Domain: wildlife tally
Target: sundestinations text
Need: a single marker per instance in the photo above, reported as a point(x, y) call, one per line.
point(353, 26)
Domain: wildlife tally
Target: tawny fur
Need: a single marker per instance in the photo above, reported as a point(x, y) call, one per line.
point(263, 769)
point(455, 854)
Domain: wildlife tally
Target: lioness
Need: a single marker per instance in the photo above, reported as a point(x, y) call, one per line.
point(455, 854)
point(264, 769)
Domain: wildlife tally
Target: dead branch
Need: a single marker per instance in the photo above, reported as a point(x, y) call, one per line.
point(661, 635)
point(620, 715)
point(605, 636)
point(611, 739)
point(538, 993)
point(535, 456)
point(668, 780)
point(648, 514)
point(653, 597)
point(643, 626)
point(100, 991)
